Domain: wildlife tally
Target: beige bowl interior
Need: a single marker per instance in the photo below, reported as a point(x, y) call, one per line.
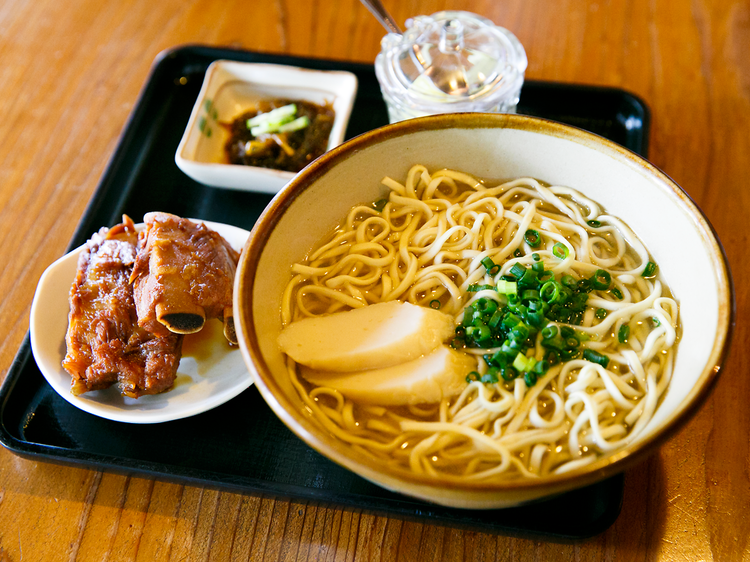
point(494, 147)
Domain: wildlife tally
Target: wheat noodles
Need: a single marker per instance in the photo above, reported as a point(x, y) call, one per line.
point(427, 246)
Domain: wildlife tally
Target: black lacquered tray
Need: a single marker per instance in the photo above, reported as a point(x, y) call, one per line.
point(242, 445)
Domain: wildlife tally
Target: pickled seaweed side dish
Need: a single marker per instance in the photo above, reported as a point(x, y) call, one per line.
point(287, 151)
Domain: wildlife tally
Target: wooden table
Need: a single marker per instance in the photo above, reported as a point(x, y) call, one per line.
point(70, 73)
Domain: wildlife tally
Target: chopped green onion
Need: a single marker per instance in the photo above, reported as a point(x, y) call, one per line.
point(536, 319)
point(552, 292)
point(511, 320)
point(569, 281)
point(262, 129)
point(532, 238)
point(530, 280)
point(507, 287)
point(596, 357)
point(520, 332)
point(468, 315)
point(578, 302)
point(273, 116)
point(601, 280)
point(279, 120)
point(517, 270)
point(296, 125)
point(435, 304)
point(530, 378)
point(475, 288)
point(655, 321)
point(560, 250)
point(496, 318)
point(522, 363)
point(541, 367)
point(594, 224)
point(486, 306)
point(552, 357)
point(380, 204)
point(490, 377)
point(508, 373)
point(534, 298)
point(649, 270)
point(518, 253)
point(472, 376)
point(479, 333)
point(572, 343)
point(530, 294)
point(496, 360)
point(567, 332)
point(491, 267)
point(623, 333)
point(510, 348)
point(569, 354)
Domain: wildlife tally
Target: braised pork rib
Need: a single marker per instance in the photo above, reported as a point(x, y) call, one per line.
point(105, 345)
point(183, 275)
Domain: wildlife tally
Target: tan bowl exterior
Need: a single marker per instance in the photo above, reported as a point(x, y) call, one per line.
point(492, 147)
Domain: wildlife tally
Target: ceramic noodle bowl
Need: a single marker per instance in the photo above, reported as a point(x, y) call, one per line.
point(493, 147)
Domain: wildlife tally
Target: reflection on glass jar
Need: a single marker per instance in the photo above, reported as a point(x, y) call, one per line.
point(450, 62)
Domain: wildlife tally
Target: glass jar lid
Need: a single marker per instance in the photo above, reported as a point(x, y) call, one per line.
point(454, 58)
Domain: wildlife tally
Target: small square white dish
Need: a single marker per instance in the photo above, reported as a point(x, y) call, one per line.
point(231, 88)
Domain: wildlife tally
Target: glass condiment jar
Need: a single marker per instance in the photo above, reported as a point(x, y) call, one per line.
point(450, 62)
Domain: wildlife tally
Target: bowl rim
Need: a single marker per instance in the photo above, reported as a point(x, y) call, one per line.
point(607, 465)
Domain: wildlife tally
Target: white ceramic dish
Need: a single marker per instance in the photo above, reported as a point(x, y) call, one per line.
point(494, 147)
point(229, 89)
point(210, 371)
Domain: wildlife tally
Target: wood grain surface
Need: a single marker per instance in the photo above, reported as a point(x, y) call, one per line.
point(70, 73)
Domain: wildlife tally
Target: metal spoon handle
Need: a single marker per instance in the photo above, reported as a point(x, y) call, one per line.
point(381, 14)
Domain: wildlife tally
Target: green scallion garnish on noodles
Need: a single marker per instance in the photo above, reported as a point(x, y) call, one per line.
point(475, 288)
point(532, 238)
point(623, 333)
point(649, 271)
point(601, 280)
point(525, 310)
point(506, 287)
point(596, 357)
point(560, 251)
point(489, 265)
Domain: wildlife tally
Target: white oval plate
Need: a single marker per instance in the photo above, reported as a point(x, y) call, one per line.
point(210, 372)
